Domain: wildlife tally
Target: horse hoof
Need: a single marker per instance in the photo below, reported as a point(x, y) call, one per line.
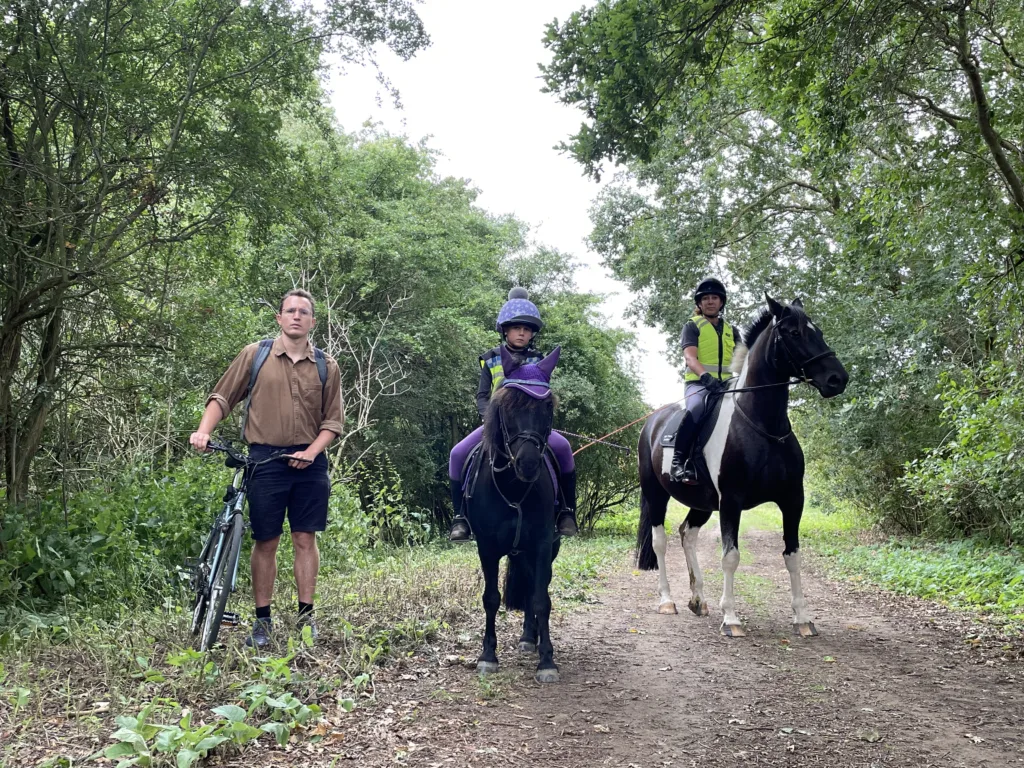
point(805, 630)
point(546, 676)
point(698, 607)
point(486, 667)
point(667, 609)
point(525, 647)
point(732, 630)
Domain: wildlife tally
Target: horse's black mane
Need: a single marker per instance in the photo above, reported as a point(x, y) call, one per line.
point(756, 327)
point(762, 321)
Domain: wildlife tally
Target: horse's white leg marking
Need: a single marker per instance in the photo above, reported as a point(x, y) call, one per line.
point(730, 561)
point(800, 614)
point(697, 602)
point(660, 544)
point(715, 446)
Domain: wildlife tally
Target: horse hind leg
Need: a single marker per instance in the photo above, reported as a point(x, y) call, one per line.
point(528, 640)
point(652, 543)
point(688, 533)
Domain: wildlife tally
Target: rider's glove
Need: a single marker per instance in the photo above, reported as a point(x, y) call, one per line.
point(710, 383)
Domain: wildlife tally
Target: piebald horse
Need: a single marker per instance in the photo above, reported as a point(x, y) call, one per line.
point(752, 457)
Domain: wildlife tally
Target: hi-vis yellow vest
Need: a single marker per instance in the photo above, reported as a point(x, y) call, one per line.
point(492, 362)
point(714, 352)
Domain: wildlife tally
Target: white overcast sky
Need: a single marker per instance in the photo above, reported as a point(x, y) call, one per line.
point(475, 93)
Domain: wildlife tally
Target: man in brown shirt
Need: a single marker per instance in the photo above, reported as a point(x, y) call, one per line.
point(290, 408)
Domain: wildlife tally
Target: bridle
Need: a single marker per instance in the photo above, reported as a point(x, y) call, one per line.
point(799, 372)
point(799, 369)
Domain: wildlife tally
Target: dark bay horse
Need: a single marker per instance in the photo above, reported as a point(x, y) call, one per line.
point(752, 457)
point(510, 505)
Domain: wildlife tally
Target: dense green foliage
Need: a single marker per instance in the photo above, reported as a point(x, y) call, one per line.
point(169, 171)
point(867, 157)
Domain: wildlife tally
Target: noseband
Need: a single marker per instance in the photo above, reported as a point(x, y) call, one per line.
point(528, 435)
point(800, 369)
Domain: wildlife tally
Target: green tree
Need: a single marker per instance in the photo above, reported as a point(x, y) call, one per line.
point(866, 156)
point(127, 130)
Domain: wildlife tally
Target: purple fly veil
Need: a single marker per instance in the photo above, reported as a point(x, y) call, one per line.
point(533, 378)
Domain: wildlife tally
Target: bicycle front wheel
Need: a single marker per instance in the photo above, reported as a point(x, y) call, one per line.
point(220, 585)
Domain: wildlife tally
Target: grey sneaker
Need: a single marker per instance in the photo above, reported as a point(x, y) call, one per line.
point(309, 620)
point(260, 635)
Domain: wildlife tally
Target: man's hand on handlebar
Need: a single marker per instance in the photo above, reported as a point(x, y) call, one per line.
point(300, 459)
point(200, 441)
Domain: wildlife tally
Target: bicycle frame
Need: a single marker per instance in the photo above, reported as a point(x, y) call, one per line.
point(209, 571)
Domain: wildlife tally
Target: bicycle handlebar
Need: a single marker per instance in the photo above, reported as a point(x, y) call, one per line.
point(237, 459)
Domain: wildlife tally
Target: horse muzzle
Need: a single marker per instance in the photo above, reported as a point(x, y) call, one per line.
point(832, 382)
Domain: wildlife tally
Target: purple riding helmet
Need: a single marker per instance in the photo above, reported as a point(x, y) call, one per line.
point(533, 378)
point(519, 310)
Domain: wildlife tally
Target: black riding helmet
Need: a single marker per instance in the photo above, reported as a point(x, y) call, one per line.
point(709, 286)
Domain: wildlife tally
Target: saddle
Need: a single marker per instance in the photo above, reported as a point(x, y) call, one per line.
point(704, 430)
point(471, 470)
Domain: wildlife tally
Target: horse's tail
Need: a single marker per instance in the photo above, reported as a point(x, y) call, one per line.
point(646, 559)
point(518, 583)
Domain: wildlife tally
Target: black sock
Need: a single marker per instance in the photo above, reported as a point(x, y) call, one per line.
point(263, 613)
point(305, 608)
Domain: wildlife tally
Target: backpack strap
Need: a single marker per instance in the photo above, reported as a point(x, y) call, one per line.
point(321, 367)
point(262, 353)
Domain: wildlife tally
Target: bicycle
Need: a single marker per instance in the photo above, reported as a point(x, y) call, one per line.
point(213, 575)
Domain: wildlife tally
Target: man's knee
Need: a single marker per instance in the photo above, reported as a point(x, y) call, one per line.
point(267, 546)
point(303, 541)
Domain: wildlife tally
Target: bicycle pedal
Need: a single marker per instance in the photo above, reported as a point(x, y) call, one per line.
point(231, 619)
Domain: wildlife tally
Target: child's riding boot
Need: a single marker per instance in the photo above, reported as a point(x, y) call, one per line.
point(566, 523)
point(460, 530)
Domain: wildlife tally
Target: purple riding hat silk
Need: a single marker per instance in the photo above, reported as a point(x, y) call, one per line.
point(533, 378)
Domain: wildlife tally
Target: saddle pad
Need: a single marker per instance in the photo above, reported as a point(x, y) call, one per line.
point(472, 465)
point(707, 426)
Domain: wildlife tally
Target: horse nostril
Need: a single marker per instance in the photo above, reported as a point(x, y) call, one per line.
point(835, 382)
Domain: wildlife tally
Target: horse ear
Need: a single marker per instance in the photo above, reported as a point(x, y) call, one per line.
point(776, 308)
point(548, 363)
point(508, 363)
point(797, 303)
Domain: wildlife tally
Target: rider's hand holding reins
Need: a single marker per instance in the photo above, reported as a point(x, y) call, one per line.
point(710, 383)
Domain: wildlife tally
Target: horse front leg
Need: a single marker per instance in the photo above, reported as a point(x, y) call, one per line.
point(488, 661)
point(730, 526)
point(792, 511)
point(547, 670)
point(689, 532)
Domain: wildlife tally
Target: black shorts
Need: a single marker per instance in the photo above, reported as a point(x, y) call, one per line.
point(275, 487)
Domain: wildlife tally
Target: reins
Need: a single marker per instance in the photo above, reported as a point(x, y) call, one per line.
point(800, 378)
point(529, 436)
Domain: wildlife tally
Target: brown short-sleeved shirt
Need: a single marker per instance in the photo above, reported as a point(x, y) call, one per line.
point(289, 405)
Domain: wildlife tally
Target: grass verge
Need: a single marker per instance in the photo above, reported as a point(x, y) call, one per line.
point(967, 574)
point(133, 690)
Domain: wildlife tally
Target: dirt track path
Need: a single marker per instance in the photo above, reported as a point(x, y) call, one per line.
point(884, 684)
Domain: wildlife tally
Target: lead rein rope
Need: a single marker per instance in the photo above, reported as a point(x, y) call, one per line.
point(602, 439)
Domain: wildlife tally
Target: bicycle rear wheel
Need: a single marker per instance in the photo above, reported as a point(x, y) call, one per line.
point(220, 584)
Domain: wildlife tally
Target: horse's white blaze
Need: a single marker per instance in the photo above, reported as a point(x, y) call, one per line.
point(800, 614)
point(692, 565)
point(730, 562)
point(715, 446)
point(660, 543)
